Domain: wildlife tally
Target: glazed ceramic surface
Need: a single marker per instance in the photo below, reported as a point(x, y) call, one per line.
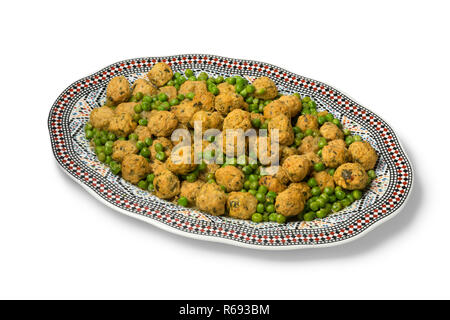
point(386, 194)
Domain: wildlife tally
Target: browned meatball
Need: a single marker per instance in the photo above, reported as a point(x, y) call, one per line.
point(309, 144)
point(330, 131)
point(144, 87)
point(272, 183)
point(324, 180)
point(143, 133)
point(118, 90)
point(293, 103)
point(157, 166)
point(237, 119)
point(290, 202)
point(181, 161)
point(286, 152)
point(334, 154)
point(282, 175)
point(265, 88)
point(225, 87)
point(100, 117)
point(121, 148)
point(212, 199)
point(184, 111)
point(134, 168)
point(351, 176)
point(307, 121)
point(166, 184)
point(167, 145)
point(313, 157)
point(275, 108)
point(302, 188)
point(160, 74)
point(197, 87)
point(170, 91)
point(230, 177)
point(297, 167)
point(190, 190)
point(122, 124)
point(209, 120)
point(126, 107)
point(229, 101)
point(204, 101)
point(363, 153)
point(162, 123)
point(241, 205)
point(284, 127)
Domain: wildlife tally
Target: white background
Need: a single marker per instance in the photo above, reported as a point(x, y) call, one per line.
point(57, 241)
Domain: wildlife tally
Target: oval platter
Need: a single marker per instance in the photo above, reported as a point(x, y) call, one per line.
point(387, 194)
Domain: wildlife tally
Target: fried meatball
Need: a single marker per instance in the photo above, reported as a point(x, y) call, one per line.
point(170, 91)
point(363, 153)
point(237, 119)
point(286, 152)
point(100, 117)
point(313, 157)
point(157, 167)
point(184, 111)
point(212, 199)
point(276, 108)
point(143, 133)
point(122, 124)
point(204, 101)
point(181, 161)
point(230, 177)
point(307, 121)
point(272, 183)
point(126, 107)
point(265, 88)
point(302, 188)
point(337, 143)
point(167, 145)
point(330, 131)
point(293, 103)
point(282, 175)
point(134, 168)
point(166, 184)
point(122, 148)
point(284, 127)
point(160, 74)
point(309, 144)
point(225, 87)
point(229, 101)
point(118, 90)
point(241, 205)
point(259, 116)
point(334, 154)
point(162, 123)
point(144, 87)
point(323, 180)
point(209, 120)
point(190, 190)
point(297, 167)
point(351, 176)
point(289, 202)
point(197, 87)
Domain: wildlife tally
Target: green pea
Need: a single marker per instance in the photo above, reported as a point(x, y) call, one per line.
point(150, 178)
point(357, 138)
point(219, 79)
point(314, 206)
point(247, 170)
point(140, 145)
point(143, 184)
point(147, 99)
point(88, 126)
point(99, 149)
point(270, 208)
point(89, 134)
point(133, 136)
point(312, 182)
point(139, 96)
point(265, 125)
point(350, 198)
point(161, 156)
point(151, 187)
point(346, 132)
point(190, 95)
point(337, 122)
point(256, 123)
point(272, 194)
point(319, 167)
point(273, 217)
point(101, 156)
point(250, 88)
point(174, 102)
point(203, 76)
point(263, 190)
point(257, 217)
point(322, 213)
point(315, 191)
point(214, 90)
point(331, 171)
point(261, 197)
point(322, 142)
point(138, 108)
point(337, 206)
point(372, 175)
point(145, 152)
point(321, 202)
point(188, 73)
point(254, 185)
point(325, 197)
point(261, 91)
point(260, 208)
point(339, 194)
point(115, 167)
point(333, 198)
point(329, 191)
point(357, 194)
point(108, 159)
point(329, 117)
point(231, 80)
point(108, 150)
point(243, 93)
point(148, 141)
point(321, 120)
point(252, 192)
point(296, 130)
point(143, 122)
point(308, 132)
point(281, 218)
point(309, 216)
point(253, 177)
point(159, 147)
point(345, 202)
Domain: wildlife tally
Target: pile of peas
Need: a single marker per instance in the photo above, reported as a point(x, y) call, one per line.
point(320, 205)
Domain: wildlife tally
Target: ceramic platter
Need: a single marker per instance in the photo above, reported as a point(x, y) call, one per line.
point(386, 196)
